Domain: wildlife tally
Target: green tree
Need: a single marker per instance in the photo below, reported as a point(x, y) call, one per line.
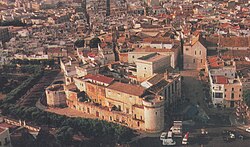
point(94, 42)
point(65, 134)
point(13, 23)
point(246, 97)
point(45, 139)
point(79, 43)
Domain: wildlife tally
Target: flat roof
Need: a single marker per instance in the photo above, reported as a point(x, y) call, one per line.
point(152, 57)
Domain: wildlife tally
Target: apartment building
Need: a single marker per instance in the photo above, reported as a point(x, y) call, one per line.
point(225, 84)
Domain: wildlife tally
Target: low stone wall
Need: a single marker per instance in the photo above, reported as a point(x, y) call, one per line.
point(21, 123)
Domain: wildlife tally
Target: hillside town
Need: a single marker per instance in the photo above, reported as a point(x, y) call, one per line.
point(124, 73)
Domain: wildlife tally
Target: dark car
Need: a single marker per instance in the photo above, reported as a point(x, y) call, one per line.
point(225, 138)
point(240, 136)
point(225, 132)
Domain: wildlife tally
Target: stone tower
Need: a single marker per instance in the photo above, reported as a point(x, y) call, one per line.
point(154, 113)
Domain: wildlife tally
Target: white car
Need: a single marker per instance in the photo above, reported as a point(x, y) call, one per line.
point(168, 142)
point(163, 135)
point(204, 132)
point(231, 135)
point(248, 129)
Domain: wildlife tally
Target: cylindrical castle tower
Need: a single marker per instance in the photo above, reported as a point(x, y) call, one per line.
point(153, 113)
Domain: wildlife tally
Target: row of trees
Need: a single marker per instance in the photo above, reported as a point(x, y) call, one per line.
point(246, 96)
point(20, 90)
point(69, 126)
point(13, 23)
point(43, 62)
point(10, 76)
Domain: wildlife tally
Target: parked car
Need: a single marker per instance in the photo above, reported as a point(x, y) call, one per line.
point(168, 141)
point(232, 135)
point(248, 129)
point(225, 138)
point(185, 139)
point(228, 135)
point(163, 135)
point(170, 135)
point(204, 132)
point(240, 136)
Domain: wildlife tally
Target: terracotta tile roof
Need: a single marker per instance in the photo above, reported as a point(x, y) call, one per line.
point(150, 49)
point(99, 78)
point(214, 62)
point(127, 88)
point(157, 40)
point(220, 80)
point(121, 39)
point(103, 45)
point(233, 41)
point(237, 53)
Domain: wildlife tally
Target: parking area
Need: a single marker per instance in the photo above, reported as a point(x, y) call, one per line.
point(214, 138)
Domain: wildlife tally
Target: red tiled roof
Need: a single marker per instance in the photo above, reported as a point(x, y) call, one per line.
point(103, 45)
point(221, 80)
point(127, 88)
point(214, 62)
point(99, 78)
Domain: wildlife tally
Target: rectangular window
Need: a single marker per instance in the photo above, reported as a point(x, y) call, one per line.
point(110, 118)
point(232, 95)
point(200, 52)
point(127, 110)
point(194, 52)
point(201, 60)
point(232, 89)
point(218, 95)
point(193, 60)
point(97, 114)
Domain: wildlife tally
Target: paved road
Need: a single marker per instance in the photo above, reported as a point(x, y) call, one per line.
point(213, 139)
